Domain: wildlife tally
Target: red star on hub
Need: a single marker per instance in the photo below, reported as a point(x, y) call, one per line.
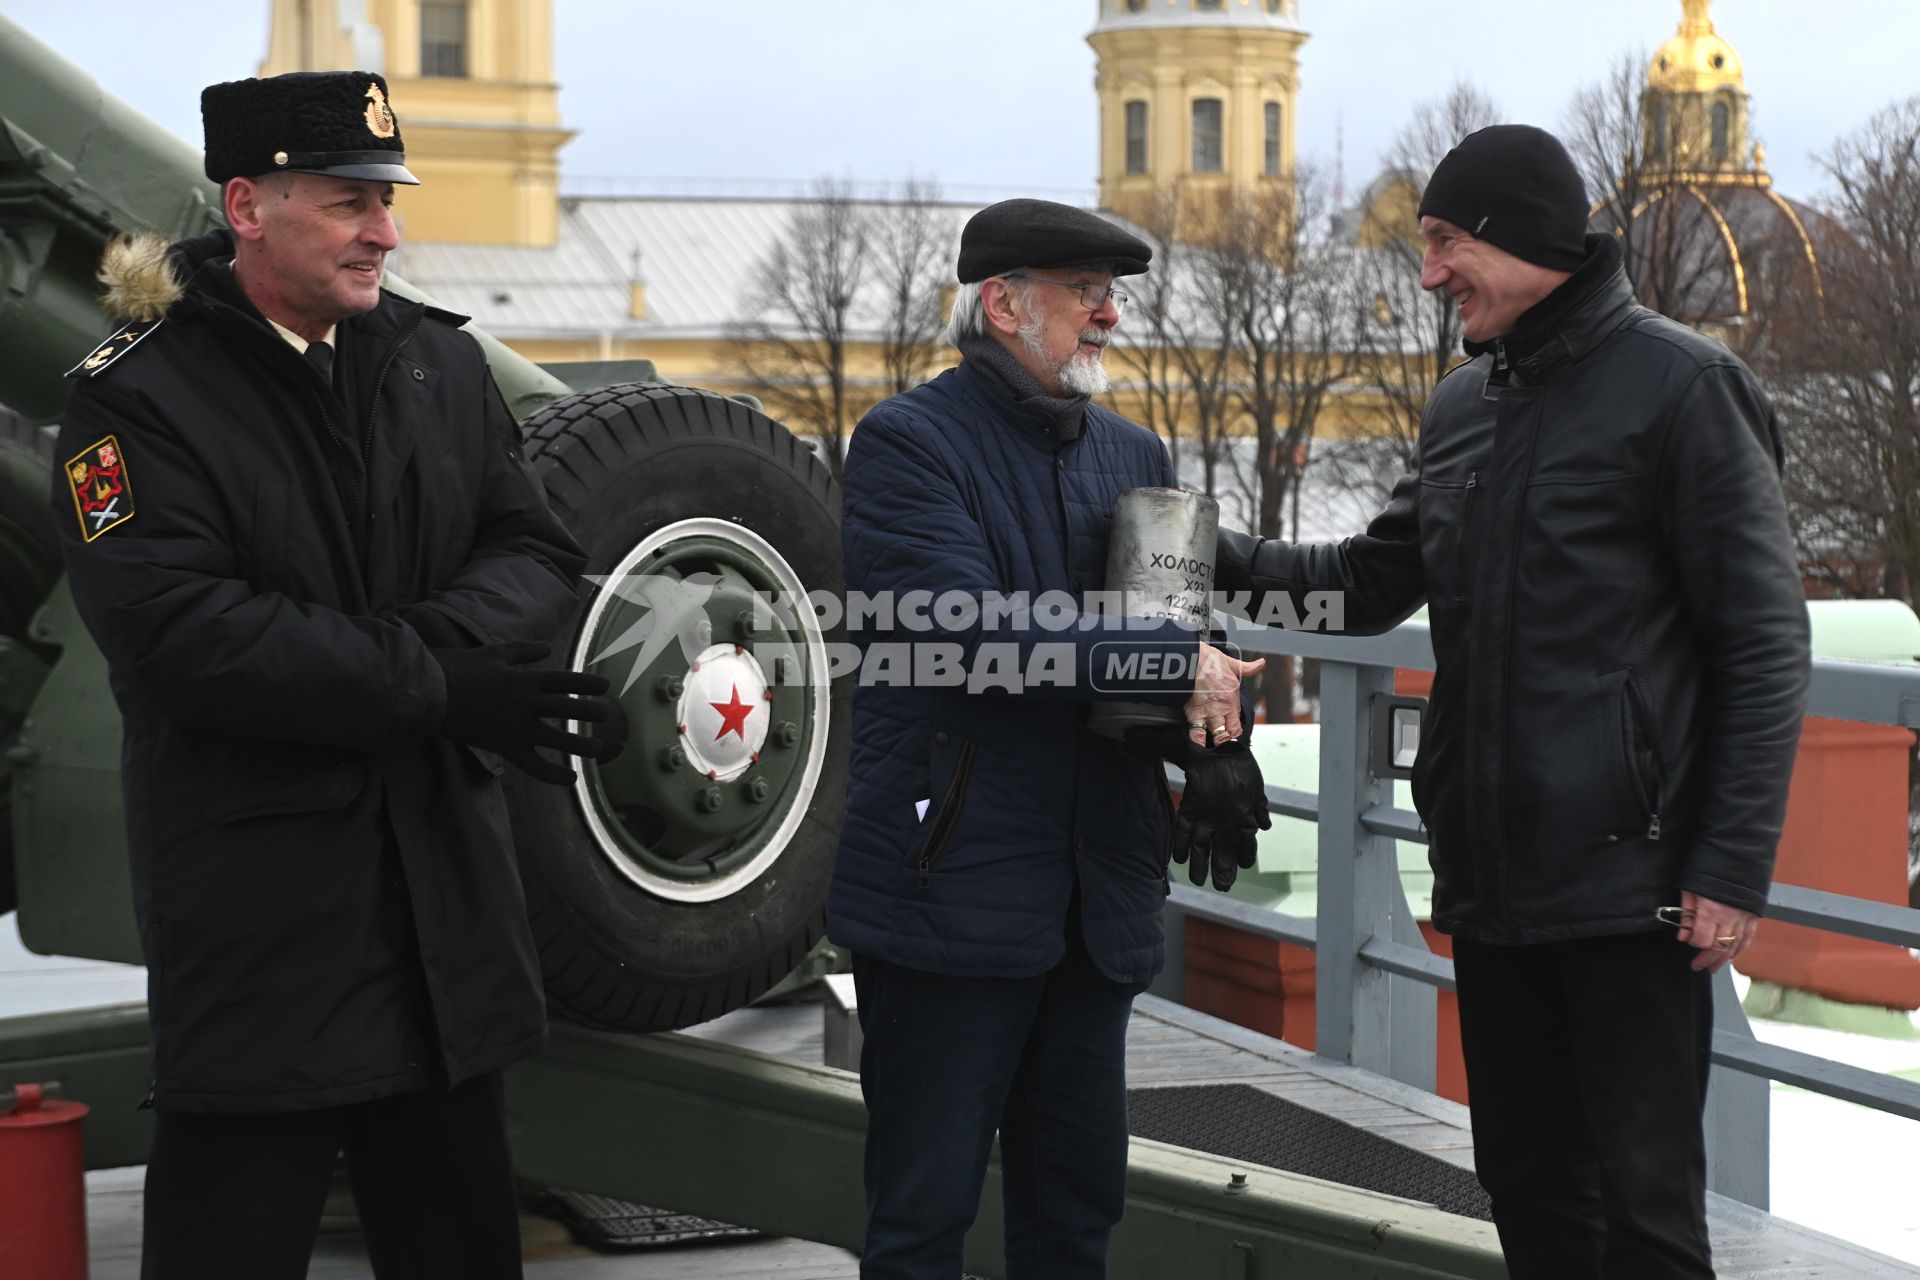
point(733, 716)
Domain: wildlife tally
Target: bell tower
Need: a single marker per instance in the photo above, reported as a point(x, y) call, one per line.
point(472, 83)
point(1197, 100)
point(1695, 106)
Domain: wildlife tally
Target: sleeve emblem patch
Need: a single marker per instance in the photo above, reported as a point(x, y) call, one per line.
point(102, 494)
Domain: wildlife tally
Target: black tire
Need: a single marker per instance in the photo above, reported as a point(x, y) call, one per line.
point(29, 566)
point(620, 464)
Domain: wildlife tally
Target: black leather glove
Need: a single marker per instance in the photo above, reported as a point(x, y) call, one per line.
point(1223, 805)
point(1222, 810)
point(497, 701)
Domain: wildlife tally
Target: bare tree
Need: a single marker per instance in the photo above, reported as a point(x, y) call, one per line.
point(794, 337)
point(1202, 347)
point(1283, 301)
point(1145, 342)
point(1404, 339)
point(912, 239)
point(1844, 367)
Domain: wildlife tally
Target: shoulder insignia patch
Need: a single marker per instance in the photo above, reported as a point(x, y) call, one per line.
point(113, 348)
point(102, 493)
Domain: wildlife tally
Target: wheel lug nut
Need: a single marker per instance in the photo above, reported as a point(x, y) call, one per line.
point(758, 790)
point(669, 688)
point(786, 733)
point(708, 800)
point(743, 625)
point(672, 758)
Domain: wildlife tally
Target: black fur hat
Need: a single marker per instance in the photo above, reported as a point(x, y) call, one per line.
point(331, 122)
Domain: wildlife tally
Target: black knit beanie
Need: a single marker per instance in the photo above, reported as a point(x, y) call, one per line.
point(1515, 187)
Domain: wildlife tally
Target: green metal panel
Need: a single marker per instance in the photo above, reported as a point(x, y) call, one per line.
point(1865, 630)
point(765, 1142)
point(99, 1056)
point(69, 834)
point(76, 164)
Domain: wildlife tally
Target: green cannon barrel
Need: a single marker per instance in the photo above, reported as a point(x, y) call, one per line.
point(77, 166)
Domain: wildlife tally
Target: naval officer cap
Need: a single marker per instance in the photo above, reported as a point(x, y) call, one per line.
point(1039, 233)
point(338, 123)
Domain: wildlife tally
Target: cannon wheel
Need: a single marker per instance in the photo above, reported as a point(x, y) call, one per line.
point(686, 872)
point(29, 566)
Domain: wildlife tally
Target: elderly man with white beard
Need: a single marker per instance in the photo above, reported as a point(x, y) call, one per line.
point(1002, 868)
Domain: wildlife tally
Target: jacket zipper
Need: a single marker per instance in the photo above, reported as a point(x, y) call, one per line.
point(1466, 527)
point(1640, 726)
point(949, 814)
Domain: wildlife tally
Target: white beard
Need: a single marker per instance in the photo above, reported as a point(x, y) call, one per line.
point(1080, 375)
point(1084, 376)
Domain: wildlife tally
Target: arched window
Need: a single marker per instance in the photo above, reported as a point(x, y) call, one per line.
point(1270, 164)
point(1206, 135)
point(1136, 137)
point(1207, 6)
point(443, 39)
point(1720, 128)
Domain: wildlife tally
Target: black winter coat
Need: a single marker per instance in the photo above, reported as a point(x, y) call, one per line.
point(1619, 629)
point(326, 889)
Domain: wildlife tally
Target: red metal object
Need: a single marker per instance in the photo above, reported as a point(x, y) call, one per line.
point(1846, 833)
point(43, 1187)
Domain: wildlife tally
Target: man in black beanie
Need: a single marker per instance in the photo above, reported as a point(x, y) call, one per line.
point(1596, 525)
point(297, 523)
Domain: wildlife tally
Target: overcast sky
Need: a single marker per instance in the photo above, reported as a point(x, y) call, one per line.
point(996, 96)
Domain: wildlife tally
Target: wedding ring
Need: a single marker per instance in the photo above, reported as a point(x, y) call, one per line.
point(1726, 943)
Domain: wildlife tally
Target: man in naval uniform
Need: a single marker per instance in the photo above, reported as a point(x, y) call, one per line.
point(298, 524)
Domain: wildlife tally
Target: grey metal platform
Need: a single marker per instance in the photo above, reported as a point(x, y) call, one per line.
point(1168, 1045)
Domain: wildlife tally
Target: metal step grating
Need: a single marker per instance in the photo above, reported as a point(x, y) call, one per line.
point(1241, 1122)
point(600, 1223)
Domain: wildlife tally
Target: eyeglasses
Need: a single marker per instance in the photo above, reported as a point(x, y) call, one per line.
point(1092, 296)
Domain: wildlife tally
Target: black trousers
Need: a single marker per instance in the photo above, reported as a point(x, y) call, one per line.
point(1587, 1067)
point(946, 1062)
point(238, 1197)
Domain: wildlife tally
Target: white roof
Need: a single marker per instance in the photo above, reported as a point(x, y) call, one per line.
point(697, 256)
point(1259, 15)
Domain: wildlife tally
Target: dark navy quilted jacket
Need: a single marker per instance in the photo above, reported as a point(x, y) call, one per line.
point(955, 487)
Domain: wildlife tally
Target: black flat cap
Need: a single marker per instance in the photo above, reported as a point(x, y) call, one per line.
point(1039, 233)
point(333, 122)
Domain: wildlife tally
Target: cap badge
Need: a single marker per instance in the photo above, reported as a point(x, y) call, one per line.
point(379, 115)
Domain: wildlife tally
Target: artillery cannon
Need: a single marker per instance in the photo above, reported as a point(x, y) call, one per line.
point(683, 875)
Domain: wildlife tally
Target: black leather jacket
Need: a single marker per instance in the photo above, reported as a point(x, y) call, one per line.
point(1597, 525)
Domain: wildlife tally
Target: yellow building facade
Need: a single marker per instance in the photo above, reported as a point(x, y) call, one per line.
point(479, 107)
point(1197, 99)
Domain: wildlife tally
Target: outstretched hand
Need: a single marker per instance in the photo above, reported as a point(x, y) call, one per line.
point(1213, 712)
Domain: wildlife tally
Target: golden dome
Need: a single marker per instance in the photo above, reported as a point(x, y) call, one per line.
point(1695, 60)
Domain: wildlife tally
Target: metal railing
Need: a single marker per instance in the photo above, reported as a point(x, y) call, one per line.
point(1375, 978)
